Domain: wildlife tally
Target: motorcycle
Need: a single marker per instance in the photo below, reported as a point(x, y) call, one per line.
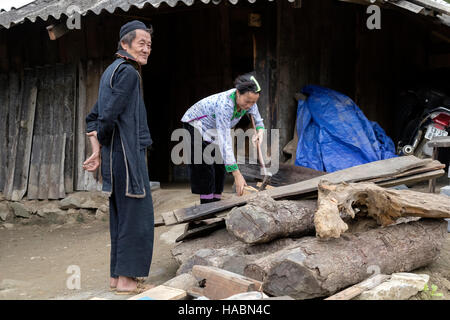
point(434, 121)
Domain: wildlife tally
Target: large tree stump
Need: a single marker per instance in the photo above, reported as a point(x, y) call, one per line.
point(264, 219)
point(384, 205)
point(314, 267)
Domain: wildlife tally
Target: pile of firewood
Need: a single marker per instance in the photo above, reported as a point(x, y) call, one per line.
point(334, 231)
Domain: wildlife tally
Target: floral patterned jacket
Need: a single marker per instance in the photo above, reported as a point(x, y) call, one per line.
point(214, 116)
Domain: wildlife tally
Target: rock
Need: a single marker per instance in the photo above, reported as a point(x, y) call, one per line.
point(84, 200)
point(401, 286)
point(20, 210)
point(184, 281)
point(102, 212)
point(251, 295)
point(8, 225)
point(5, 211)
point(417, 280)
point(99, 214)
point(44, 212)
point(104, 208)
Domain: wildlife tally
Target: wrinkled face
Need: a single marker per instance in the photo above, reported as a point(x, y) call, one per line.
point(141, 46)
point(247, 100)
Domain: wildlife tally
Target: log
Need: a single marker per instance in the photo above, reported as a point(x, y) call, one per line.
point(319, 268)
point(383, 205)
point(222, 250)
point(219, 284)
point(264, 219)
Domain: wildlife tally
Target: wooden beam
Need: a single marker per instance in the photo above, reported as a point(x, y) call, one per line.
point(203, 230)
point(433, 5)
point(408, 6)
point(357, 289)
point(161, 293)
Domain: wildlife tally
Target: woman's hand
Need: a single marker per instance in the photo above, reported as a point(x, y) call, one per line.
point(258, 137)
point(239, 181)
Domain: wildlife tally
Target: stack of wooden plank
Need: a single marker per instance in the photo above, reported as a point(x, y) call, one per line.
point(386, 173)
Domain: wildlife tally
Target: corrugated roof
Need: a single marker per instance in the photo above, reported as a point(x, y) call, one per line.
point(7, 5)
point(55, 8)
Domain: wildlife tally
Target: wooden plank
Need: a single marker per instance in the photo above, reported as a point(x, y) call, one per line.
point(4, 102)
point(169, 218)
point(433, 5)
point(57, 119)
point(408, 6)
point(69, 126)
point(376, 169)
point(286, 174)
point(220, 284)
point(80, 128)
point(61, 186)
point(432, 166)
point(38, 139)
point(48, 128)
point(357, 289)
point(14, 112)
point(413, 179)
point(33, 178)
point(159, 222)
point(26, 137)
point(203, 211)
point(161, 292)
point(201, 231)
point(382, 168)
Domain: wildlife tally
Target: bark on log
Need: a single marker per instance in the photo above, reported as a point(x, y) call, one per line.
point(223, 250)
point(317, 267)
point(384, 205)
point(264, 219)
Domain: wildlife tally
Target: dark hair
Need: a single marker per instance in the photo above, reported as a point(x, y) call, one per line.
point(247, 83)
point(130, 36)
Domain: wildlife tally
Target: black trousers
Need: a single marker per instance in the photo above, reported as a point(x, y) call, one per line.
point(131, 221)
point(205, 178)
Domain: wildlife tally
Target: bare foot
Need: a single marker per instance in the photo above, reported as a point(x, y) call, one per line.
point(113, 282)
point(126, 284)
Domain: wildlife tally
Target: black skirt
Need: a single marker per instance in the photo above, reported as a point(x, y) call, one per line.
point(205, 178)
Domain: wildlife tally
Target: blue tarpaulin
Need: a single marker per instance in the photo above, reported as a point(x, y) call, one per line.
point(334, 133)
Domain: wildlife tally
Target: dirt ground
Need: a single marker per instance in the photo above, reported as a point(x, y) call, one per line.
point(34, 258)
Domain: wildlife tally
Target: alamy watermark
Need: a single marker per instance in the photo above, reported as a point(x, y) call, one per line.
point(73, 282)
point(74, 17)
point(374, 20)
point(212, 153)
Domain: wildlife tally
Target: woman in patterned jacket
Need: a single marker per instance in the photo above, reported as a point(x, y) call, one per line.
point(212, 119)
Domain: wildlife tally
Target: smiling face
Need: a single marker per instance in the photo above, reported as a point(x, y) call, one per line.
point(141, 46)
point(247, 100)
